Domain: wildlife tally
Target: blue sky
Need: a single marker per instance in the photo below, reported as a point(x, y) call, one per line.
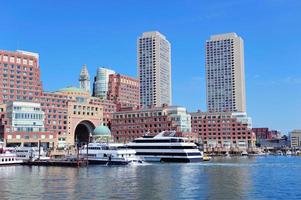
point(68, 34)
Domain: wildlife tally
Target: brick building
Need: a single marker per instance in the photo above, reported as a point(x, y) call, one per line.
point(123, 90)
point(69, 114)
point(223, 130)
point(20, 76)
point(130, 123)
point(265, 133)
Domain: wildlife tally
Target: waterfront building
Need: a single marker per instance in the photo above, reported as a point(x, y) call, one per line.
point(56, 115)
point(180, 117)
point(225, 76)
point(274, 143)
point(224, 130)
point(84, 79)
point(130, 123)
point(295, 138)
point(101, 81)
point(154, 69)
point(20, 76)
point(84, 115)
point(70, 114)
point(265, 134)
point(123, 90)
point(109, 107)
point(25, 125)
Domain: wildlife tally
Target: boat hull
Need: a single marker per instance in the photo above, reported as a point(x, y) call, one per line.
point(172, 159)
point(107, 162)
point(10, 163)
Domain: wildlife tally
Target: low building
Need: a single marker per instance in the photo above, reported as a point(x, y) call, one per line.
point(130, 123)
point(275, 143)
point(223, 130)
point(25, 125)
point(265, 133)
point(295, 138)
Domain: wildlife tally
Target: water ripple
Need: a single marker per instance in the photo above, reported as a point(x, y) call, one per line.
point(235, 178)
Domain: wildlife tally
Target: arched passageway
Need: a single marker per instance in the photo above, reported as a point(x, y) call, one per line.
point(83, 132)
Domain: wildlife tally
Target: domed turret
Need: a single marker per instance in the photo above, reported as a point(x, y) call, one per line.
point(101, 131)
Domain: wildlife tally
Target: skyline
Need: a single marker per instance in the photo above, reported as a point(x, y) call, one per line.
point(80, 42)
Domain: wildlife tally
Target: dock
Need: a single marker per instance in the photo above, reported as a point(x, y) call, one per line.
point(60, 163)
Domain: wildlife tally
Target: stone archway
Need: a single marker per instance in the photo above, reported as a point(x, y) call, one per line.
point(83, 131)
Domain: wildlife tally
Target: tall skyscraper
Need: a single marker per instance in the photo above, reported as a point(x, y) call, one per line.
point(84, 79)
point(101, 81)
point(225, 76)
point(154, 69)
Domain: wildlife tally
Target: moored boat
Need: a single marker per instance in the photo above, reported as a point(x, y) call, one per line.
point(109, 154)
point(30, 154)
point(244, 153)
point(206, 158)
point(166, 147)
point(9, 158)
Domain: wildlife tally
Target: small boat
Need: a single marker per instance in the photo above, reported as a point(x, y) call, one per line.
point(227, 154)
point(9, 158)
point(244, 153)
point(279, 153)
point(288, 153)
point(206, 158)
point(109, 154)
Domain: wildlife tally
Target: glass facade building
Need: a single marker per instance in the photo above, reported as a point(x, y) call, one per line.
point(101, 82)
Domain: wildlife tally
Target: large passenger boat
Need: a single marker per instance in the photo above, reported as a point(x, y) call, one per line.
point(166, 147)
point(9, 158)
point(109, 154)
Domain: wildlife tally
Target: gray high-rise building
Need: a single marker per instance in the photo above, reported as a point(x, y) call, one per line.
point(225, 76)
point(154, 69)
point(84, 79)
point(101, 80)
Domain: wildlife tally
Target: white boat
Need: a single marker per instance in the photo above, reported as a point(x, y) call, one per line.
point(279, 153)
point(9, 158)
point(109, 154)
point(227, 155)
point(165, 147)
point(30, 153)
point(288, 153)
point(244, 153)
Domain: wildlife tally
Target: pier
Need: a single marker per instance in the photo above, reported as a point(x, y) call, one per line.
point(60, 163)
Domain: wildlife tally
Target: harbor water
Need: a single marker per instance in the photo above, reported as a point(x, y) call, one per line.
point(267, 177)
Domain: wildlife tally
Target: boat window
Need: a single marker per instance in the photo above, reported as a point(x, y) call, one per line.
point(163, 147)
point(156, 141)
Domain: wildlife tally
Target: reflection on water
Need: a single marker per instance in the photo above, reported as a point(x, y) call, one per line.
point(229, 181)
point(235, 178)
